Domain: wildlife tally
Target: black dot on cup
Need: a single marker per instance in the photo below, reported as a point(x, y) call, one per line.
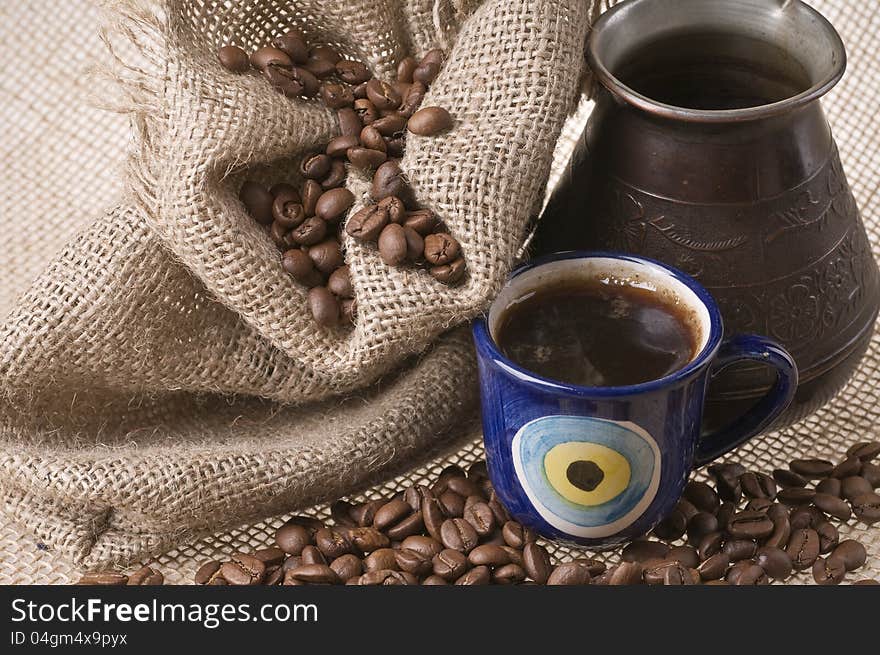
point(584, 474)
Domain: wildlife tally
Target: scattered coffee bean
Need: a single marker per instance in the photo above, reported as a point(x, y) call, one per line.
point(788, 478)
point(324, 307)
point(812, 468)
point(833, 505)
point(829, 486)
point(864, 450)
point(829, 571)
point(714, 567)
point(643, 550)
point(850, 466)
point(570, 573)
point(537, 563)
point(749, 524)
point(794, 496)
point(803, 548)
point(477, 576)
point(854, 486)
point(867, 508)
point(459, 535)
point(243, 569)
point(851, 553)
point(775, 562)
point(233, 59)
point(429, 121)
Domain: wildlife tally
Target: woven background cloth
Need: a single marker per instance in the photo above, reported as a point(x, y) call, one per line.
point(78, 149)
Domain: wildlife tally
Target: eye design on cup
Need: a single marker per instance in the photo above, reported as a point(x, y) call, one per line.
point(585, 476)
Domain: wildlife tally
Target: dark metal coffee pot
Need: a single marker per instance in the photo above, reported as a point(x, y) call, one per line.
point(708, 149)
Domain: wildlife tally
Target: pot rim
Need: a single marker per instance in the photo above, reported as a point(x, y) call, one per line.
point(627, 94)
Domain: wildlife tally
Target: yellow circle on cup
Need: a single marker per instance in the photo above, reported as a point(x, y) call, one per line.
point(614, 466)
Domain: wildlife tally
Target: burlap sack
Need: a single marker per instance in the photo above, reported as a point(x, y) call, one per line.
point(152, 377)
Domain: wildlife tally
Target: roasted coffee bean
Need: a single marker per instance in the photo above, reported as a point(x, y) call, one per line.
point(292, 562)
point(315, 166)
point(294, 46)
point(322, 61)
point(867, 508)
point(735, 572)
point(871, 473)
point(672, 527)
point(513, 534)
point(327, 255)
point(803, 548)
point(366, 111)
point(710, 544)
point(429, 121)
point(759, 485)
point(434, 581)
point(104, 579)
point(414, 562)
point(829, 571)
point(333, 204)
point(281, 237)
point(805, 517)
point(727, 481)
point(405, 69)
point(452, 504)
point(335, 542)
point(244, 569)
point(390, 513)
point(570, 573)
point(759, 505)
point(314, 574)
point(594, 566)
point(441, 248)
point(812, 469)
point(449, 273)
point(310, 231)
point(388, 181)
point(383, 95)
point(367, 223)
point(267, 55)
point(788, 478)
point(257, 200)
point(477, 576)
point(642, 550)
point(450, 564)
point(366, 157)
point(411, 525)
point(432, 516)
point(864, 450)
point(833, 505)
point(415, 494)
point(207, 572)
point(349, 125)
point(655, 570)
point(338, 146)
point(714, 567)
point(828, 537)
point(739, 549)
point(145, 576)
point(685, 555)
point(287, 210)
point(270, 556)
point(781, 532)
point(274, 576)
point(370, 138)
point(390, 125)
point(427, 546)
point(508, 574)
point(677, 575)
point(426, 72)
point(725, 513)
point(458, 534)
point(347, 566)
point(310, 192)
point(489, 555)
point(393, 245)
point(388, 578)
point(381, 559)
point(233, 59)
point(850, 466)
point(394, 207)
point(339, 283)
point(324, 307)
point(751, 575)
point(423, 221)
point(412, 100)
point(502, 517)
point(336, 177)
point(749, 525)
point(289, 81)
point(627, 573)
point(292, 538)
point(775, 561)
point(364, 513)
point(702, 496)
point(300, 266)
point(352, 72)
point(415, 245)
point(687, 508)
point(700, 525)
point(830, 486)
point(851, 553)
point(312, 555)
point(536, 562)
point(394, 146)
point(854, 486)
point(367, 539)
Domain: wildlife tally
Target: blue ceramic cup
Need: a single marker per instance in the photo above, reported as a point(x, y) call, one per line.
point(641, 441)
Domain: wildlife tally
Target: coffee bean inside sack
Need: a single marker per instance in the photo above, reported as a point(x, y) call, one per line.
point(374, 118)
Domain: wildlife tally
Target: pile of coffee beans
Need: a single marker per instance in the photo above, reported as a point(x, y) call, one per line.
point(747, 529)
point(374, 117)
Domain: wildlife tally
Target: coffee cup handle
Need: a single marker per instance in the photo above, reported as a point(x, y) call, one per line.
point(750, 347)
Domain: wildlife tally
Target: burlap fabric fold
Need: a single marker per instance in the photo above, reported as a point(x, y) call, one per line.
point(161, 378)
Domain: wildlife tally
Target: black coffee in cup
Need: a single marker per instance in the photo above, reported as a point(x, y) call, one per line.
point(598, 333)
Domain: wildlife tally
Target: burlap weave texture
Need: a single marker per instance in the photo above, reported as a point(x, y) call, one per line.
point(154, 377)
